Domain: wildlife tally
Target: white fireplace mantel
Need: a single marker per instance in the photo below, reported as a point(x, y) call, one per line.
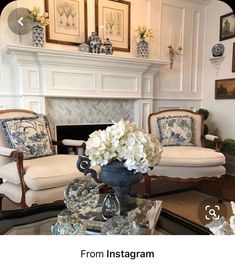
point(27, 55)
point(40, 72)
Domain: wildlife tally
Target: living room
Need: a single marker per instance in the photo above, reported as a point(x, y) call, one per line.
point(188, 60)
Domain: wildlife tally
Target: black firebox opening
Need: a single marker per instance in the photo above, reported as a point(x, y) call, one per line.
point(76, 132)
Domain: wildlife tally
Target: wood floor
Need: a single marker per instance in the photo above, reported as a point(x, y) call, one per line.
point(161, 187)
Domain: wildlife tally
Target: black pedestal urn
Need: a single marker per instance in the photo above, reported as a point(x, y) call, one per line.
point(117, 176)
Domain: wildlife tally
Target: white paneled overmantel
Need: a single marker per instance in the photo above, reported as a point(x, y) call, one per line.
point(39, 73)
point(182, 23)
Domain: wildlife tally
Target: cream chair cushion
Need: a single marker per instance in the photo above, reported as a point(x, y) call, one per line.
point(189, 162)
point(187, 172)
point(45, 172)
point(14, 192)
point(190, 156)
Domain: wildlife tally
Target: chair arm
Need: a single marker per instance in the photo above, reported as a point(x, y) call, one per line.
point(19, 157)
point(71, 143)
point(216, 140)
point(5, 151)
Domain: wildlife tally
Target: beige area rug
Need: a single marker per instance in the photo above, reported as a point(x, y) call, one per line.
point(8, 205)
point(186, 204)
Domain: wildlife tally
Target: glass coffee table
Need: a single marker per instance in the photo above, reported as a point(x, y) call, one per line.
point(37, 220)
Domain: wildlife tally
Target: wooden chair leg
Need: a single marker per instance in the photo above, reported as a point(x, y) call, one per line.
point(147, 182)
point(1, 197)
point(220, 189)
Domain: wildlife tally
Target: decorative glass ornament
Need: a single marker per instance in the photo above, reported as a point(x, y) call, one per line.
point(81, 195)
point(83, 47)
point(119, 225)
point(68, 223)
point(110, 206)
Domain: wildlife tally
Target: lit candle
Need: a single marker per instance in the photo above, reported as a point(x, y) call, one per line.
point(170, 36)
point(180, 39)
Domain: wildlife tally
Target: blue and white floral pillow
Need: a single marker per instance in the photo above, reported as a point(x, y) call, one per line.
point(175, 130)
point(29, 135)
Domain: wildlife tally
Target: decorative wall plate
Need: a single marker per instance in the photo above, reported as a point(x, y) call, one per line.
point(218, 50)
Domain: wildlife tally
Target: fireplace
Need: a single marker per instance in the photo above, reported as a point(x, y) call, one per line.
point(99, 88)
point(76, 132)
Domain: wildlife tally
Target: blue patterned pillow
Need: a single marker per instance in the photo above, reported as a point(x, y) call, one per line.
point(175, 130)
point(29, 135)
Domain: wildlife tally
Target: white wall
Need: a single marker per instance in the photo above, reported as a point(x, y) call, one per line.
point(221, 111)
point(181, 86)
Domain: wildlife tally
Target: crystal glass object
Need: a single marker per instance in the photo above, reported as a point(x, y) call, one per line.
point(220, 227)
point(110, 206)
point(119, 225)
point(83, 47)
point(68, 223)
point(81, 195)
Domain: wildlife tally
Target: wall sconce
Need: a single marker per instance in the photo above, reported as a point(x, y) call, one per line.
point(173, 53)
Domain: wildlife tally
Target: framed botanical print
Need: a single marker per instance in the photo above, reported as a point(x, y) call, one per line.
point(227, 26)
point(68, 23)
point(113, 22)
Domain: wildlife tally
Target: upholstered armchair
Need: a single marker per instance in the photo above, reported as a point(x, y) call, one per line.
point(30, 170)
point(184, 157)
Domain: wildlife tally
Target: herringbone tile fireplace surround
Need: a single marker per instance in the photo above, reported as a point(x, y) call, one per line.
point(84, 111)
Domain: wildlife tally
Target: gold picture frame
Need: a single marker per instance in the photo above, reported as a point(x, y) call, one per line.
point(112, 21)
point(227, 26)
point(225, 88)
point(68, 21)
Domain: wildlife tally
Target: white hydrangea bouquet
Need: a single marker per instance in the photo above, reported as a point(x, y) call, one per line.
point(126, 143)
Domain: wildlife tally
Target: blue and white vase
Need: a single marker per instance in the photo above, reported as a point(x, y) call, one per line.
point(142, 48)
point(38, 36)
point(94, 43)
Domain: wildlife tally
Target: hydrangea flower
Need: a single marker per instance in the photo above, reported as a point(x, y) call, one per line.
point(124, 142)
